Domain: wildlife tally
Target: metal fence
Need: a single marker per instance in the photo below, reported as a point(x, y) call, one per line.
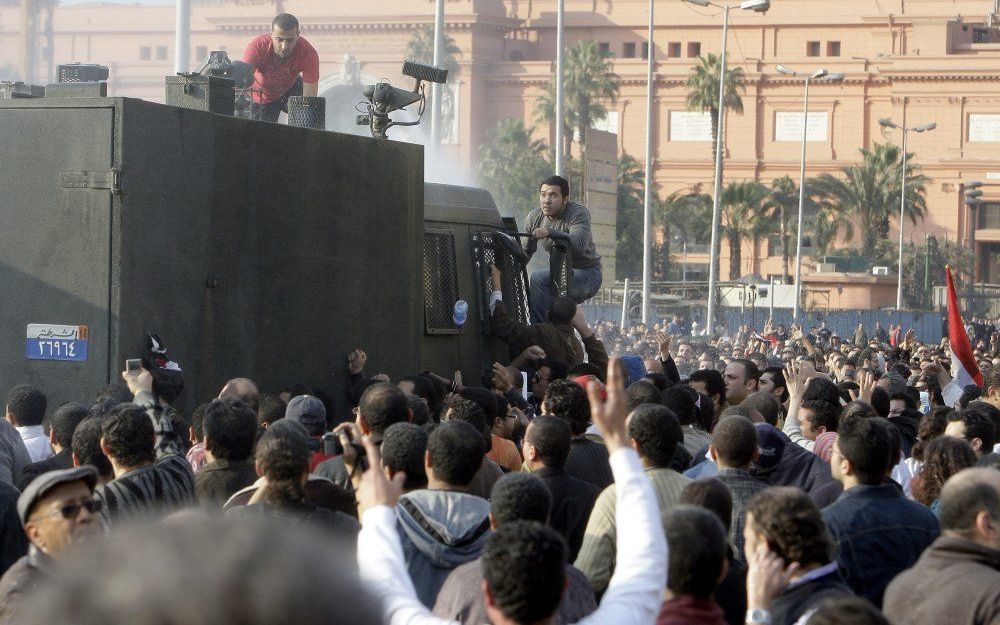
point(928, 325)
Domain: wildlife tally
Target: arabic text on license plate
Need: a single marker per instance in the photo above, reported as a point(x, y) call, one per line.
point(56, 342)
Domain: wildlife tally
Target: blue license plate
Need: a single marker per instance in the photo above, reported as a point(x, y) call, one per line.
point(56, 342)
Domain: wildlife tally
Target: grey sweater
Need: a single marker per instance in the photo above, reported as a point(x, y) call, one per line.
point(572, 224)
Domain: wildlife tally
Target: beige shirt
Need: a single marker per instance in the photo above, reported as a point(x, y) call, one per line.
point(597, 555)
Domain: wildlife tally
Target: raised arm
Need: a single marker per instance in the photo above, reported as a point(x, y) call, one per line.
point(795, 383)
point(636, 589)
point(665, 342)
point(501, 325)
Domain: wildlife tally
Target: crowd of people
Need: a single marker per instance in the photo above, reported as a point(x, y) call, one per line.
point(602, 475)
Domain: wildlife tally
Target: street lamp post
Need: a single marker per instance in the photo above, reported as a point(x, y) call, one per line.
point(888, 123)
point(684, 267)
point(973, 200)
point(759, 6)
point(647, 206)
point(435, 87)
point(821, 74)
point(684, 247)
point(182, 37)
point(560, 164)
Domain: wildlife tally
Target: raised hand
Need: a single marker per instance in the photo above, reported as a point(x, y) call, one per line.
point(534, 353)
point(866, 384)
point(356, 361)
point(138, 381)
point(792, 379)
point(501, 378)
point(665, 342)
point(767, 576)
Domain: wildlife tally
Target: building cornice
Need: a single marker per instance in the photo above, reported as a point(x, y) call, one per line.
point(252, 25)
point(534, 77)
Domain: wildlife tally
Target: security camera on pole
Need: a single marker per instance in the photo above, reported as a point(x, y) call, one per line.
point(758, 6)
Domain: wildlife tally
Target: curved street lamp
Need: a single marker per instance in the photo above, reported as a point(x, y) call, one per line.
point(758, 6)
point(826, 76)
point(885, 122)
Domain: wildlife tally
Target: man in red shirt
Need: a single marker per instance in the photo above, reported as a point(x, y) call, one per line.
point(285, 64)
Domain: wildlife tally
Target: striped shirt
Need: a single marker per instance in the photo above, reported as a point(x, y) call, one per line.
point(588, 461)
point(160, 487)
point(743, 487)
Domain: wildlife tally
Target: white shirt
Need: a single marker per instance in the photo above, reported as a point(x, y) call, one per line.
point(633, 597)
point(36, 441)
point(903, 473)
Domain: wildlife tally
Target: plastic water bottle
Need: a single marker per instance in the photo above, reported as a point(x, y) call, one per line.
point(461, 313)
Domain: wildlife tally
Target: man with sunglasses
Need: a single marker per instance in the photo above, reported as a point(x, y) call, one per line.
point(57, 511)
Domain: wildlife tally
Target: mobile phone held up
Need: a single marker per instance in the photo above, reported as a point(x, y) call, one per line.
point(133, 365)
point(332, 445)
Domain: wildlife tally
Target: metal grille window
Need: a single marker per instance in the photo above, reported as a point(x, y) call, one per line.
point(440, 282)
point(515, 278)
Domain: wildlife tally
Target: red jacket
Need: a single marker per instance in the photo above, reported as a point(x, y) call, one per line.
point(690, 611)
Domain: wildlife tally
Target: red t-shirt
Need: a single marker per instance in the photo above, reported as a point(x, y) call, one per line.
point(272, 77)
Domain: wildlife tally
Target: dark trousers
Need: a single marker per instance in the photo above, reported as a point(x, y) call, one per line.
point(269, 111)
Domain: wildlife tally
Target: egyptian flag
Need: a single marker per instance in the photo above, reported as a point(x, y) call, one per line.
point(963, 365)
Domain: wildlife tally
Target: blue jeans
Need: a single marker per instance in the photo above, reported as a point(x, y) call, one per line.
point(583, 286)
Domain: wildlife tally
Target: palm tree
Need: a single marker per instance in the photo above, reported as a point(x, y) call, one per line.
point(510, 166)
point(742, 219)
point(588, 80)
point(628, 229)
point(782, 203)
point(689, 215)
point(421, 48)
point(703, 90)
point(828, 222)
point(868, 193)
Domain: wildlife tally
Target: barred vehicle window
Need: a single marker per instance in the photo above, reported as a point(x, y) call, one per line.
point(440, 281)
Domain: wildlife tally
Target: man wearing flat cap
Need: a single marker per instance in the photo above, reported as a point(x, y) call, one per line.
point(58, 511)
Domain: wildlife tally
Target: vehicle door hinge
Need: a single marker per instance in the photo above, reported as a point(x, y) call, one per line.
point(84, 179)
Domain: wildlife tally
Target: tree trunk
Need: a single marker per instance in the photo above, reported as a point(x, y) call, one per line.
point(735, 257)
point(715, 256)
point(668, 249)
point(583, 168)
point(715, 139)
point(784, 246)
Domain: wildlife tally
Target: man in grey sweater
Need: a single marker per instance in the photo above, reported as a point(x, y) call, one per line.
point(557, 218)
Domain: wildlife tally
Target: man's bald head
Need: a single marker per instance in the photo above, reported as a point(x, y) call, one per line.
point(242, 389)
point(966, 499)
point(766, 404)
point(743, 411)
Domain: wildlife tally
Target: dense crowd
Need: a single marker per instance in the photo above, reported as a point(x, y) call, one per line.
point(602, 475)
